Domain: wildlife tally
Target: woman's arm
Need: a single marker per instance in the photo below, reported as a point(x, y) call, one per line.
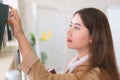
point(31, 63)
point(15, 23)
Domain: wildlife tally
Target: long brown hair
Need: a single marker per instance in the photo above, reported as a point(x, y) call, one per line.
point(102, 51)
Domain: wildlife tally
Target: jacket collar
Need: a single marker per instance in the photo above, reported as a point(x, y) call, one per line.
point(83, 66)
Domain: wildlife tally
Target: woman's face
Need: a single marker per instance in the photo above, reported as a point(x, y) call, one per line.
point(78, 36)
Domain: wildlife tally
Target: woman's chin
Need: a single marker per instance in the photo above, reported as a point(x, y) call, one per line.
point(69, 46)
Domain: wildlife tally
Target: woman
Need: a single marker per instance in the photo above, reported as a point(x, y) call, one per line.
point(89, 34)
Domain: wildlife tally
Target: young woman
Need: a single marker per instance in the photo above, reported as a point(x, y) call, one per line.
point(89, 34)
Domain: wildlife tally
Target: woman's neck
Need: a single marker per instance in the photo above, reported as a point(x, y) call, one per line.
point(82, 53)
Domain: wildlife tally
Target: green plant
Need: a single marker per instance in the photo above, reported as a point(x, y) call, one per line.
point(44, 37)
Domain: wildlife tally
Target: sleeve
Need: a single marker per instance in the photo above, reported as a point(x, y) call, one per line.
point(32, 66)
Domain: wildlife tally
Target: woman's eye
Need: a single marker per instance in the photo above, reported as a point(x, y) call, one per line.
point(70, 25)
point(77, 28)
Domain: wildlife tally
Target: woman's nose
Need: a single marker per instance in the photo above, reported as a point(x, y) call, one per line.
point(69, 32)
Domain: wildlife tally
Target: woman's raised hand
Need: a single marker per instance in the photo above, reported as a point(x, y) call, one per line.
point(15, 23)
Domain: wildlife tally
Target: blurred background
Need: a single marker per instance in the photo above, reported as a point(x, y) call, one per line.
point(45, 23)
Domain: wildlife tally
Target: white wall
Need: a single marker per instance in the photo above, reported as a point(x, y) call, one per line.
point(113, 13)
point(13, 3)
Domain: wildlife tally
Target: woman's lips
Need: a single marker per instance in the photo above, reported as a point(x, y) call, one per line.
point(69, 40)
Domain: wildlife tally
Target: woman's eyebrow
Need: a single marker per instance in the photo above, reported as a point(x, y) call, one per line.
point(75, 23)
point(78, 24)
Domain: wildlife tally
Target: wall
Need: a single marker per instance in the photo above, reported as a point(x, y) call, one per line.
point(55, 15)
point(13, 3)
point(113, 12)
point(0, 1)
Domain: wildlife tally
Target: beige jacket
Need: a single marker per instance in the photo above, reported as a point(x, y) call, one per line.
point(36, 71)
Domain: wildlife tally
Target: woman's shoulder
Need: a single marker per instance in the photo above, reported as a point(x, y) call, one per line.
point(95, 70)
point(87, 69)
point(89, 74)
point(94, 73)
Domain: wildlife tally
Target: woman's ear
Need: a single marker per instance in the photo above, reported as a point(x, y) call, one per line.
point(90, 39)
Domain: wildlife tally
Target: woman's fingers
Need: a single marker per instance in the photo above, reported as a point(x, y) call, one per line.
point(13, 14)
point(12, 11)
point(14, 22)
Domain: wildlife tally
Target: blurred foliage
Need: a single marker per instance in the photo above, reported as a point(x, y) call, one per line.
point(44, 37)
point(43, 57)
point(32, 38)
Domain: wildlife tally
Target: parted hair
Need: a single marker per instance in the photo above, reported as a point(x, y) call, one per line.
point(101, 49)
